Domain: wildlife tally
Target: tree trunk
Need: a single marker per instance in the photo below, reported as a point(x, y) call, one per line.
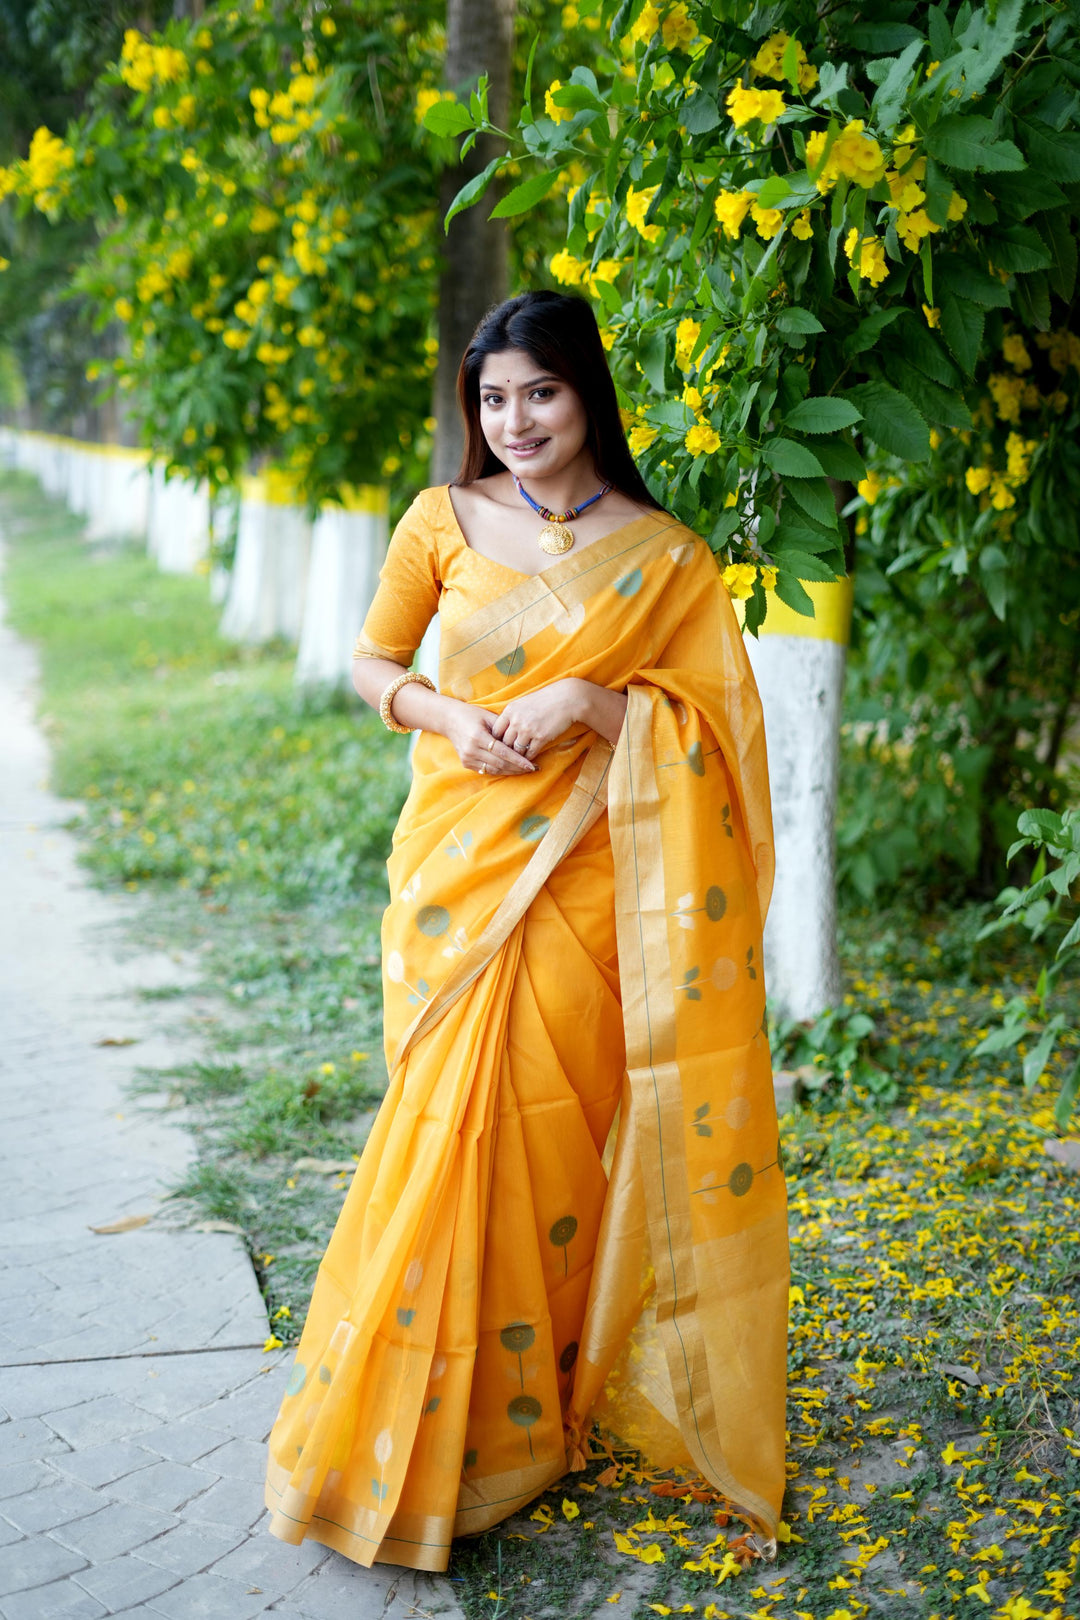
point(479, 39)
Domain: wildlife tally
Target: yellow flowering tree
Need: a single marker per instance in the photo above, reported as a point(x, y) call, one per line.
point(267, 232)
point(800, 229)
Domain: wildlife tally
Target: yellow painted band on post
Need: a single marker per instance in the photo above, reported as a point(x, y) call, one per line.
point(832, 601)
point(370, 498)
point(88, 446)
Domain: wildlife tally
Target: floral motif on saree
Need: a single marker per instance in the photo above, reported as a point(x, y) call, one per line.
point(571, 1206)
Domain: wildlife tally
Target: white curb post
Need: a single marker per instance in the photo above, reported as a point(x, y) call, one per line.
point(269, 575)
point(348, 544)
point(799, 667)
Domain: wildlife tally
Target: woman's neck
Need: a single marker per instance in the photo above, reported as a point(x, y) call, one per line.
point(565, 489)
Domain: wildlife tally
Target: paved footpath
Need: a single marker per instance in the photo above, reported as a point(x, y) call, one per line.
point(135, 1398)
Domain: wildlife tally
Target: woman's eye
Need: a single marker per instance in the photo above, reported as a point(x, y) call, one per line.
point(543, 393)
point(491, 399)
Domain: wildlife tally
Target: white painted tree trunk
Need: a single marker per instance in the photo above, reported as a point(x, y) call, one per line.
point(269, 575)
point(348, 544)
point(178, 532)
point(799, 667)
point(118, 493)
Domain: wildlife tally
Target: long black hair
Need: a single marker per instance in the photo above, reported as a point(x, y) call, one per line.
point(559, 332)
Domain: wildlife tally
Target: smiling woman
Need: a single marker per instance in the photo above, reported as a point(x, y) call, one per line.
point(570, 1209)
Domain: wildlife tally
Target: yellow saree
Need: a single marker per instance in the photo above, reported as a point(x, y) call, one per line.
point(568, 955)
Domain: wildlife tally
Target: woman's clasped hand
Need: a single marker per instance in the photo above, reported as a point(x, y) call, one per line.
point(507, 744)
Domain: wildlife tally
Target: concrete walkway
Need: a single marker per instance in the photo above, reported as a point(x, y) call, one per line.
point(135, 1397)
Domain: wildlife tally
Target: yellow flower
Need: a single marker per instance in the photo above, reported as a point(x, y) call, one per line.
point(637, 206)
point(263, 219)
point(1015, 352)
point(125, 309)
point(767, 221)
point(702, 440)
point(647, 24)
point(47, 161)
point(686, 335)
point(328, 27)
point(977, 479)
point(272, 1343)
point(853, 155)
point(310, 337)
point(867, 257)
point(234, 338)
point(911, 228)
point(259, 99)
point(957, 206)
point(871, 486)
point(557, 114)
point(304, 88)
point(1018, 454)
point(933, 315)
point(1001, 496)
point(570, 271)
point(739, 579)
point(802, 227)
point(768, 578)
point(162, 117)
point(935, 439)
point(426, 99)
point(730, 209)
point(641, 436)
point(678, 30)
point(204, 39)
point(1006, 392)
point(607, 270)
point(746, 105)
point(185, 111)
point(769, 61)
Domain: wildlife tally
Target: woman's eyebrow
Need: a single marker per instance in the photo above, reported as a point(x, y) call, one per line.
point(532, 382)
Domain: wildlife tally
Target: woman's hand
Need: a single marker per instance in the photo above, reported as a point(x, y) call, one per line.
point(472, 732)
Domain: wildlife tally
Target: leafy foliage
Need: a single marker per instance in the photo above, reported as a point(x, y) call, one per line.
point(798, 228)
point(1046, 909)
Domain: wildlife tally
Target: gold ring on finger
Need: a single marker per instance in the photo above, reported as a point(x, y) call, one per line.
point(490, 744)
point(482, 770)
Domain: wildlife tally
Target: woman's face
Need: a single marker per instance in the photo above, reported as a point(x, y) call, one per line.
point(533, 421)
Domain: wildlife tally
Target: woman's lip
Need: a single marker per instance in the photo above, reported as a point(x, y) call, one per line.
point(527, 449)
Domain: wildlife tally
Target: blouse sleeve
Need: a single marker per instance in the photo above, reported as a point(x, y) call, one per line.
point(409, 587)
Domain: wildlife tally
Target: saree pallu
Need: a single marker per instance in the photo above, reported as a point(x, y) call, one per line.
point(571, 1207)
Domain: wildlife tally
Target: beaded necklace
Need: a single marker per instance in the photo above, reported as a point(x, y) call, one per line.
point(556, 538)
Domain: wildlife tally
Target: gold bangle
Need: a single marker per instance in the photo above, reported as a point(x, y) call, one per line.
point(386, 703)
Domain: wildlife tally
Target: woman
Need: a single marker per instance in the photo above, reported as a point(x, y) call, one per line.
point(572, 951)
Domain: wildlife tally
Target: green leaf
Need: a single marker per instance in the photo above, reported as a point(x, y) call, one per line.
point(577, 97)
point(1025, 194)
point(888, 101)
point(1019, 249)
point(700, 114)
point(526, 94)
point(525, 196)
point(791, 460)
point(814, 496)
point(945, 406)
point(868, 331)
point(1036, 1060)
point(823, 413)
point(652, 353)
point(968, 141)
point(448, 118)
point(962, 328)
point(1064, 1106)
point(773, 191)
point(891, 421)
point(804, 565)
point(840, 460)
point(1057, 232)
point(1054, 156)
point(958, 275)
point(794, 595)
point(471, 191)
point(794, 319)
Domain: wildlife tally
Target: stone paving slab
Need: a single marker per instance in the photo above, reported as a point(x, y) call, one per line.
point(135, 1398)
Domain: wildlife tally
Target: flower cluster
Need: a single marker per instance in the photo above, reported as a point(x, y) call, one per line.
point(746, 105)
point(852, 156)
point(769, 62)
point(43, 174)
point(142, 65)
point(739, 579)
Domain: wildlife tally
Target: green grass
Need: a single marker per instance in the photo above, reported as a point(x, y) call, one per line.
point(935, 1326)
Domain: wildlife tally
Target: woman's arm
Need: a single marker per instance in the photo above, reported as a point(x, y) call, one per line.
point(466, 727)
point(530, 723)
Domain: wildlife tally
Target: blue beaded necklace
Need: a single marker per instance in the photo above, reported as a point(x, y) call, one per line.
point(556, 538)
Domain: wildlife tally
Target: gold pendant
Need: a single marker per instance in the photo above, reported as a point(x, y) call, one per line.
point(555, 539)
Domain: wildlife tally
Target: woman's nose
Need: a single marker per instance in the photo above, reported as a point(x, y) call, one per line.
point(519, 418)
